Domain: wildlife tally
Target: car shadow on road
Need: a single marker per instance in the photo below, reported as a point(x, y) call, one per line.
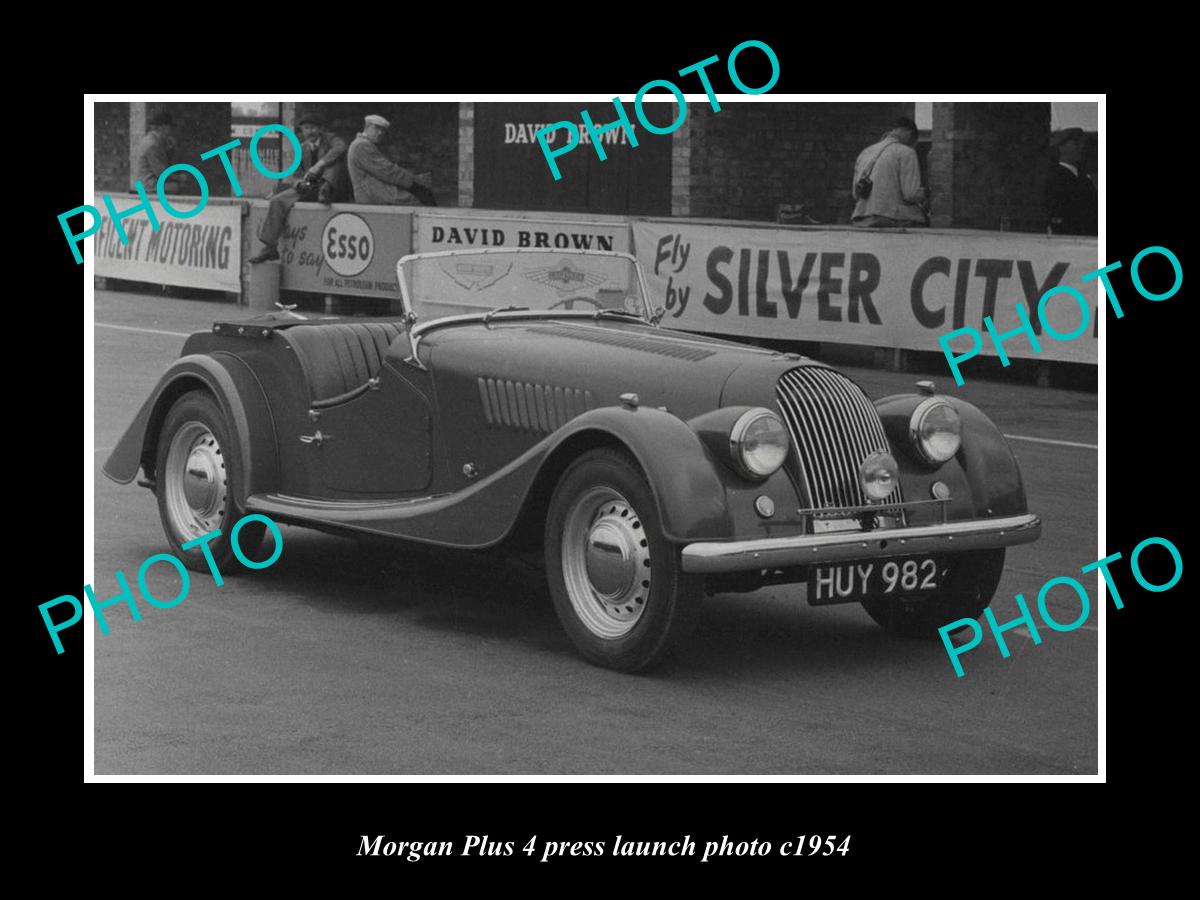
point(764, 634)
point(496, 595)
point(474, 592)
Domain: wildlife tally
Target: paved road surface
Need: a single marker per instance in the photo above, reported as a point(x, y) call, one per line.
point(340, 660)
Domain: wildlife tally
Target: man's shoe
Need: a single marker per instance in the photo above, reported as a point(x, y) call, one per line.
point(265, 255)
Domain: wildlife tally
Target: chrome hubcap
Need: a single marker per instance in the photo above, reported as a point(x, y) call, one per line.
point(606, 562)
point(195, 481)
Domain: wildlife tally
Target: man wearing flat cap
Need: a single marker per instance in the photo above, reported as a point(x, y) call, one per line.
point(376, 178)
point(1070, 195)
point(323, 162)
point(154, 151)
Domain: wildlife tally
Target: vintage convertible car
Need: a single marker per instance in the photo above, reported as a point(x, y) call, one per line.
point(531, 397)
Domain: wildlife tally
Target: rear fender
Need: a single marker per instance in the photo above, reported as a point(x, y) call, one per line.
point(241, 398)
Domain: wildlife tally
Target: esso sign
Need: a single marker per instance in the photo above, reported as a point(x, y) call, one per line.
point(347, 244)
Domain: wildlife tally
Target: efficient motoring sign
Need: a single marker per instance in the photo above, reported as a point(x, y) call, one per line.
point(882, 289)
point(202, 251)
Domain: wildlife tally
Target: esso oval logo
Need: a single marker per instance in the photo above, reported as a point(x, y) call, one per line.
point(347, 243)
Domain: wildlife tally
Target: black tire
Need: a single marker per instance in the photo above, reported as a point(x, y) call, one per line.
point(968, 589)
point(602, 501)
point(196, 488)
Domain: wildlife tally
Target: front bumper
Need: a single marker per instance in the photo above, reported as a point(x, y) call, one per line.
point(707, 557)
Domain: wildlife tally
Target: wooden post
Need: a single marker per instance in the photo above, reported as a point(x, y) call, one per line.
point(247, 249)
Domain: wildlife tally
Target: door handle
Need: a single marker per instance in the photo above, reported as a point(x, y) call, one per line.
point(317, 438)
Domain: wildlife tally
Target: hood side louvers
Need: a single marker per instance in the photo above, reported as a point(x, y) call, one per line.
point(538, 408)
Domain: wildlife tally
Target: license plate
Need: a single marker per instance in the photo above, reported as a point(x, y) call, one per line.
point(851, 582)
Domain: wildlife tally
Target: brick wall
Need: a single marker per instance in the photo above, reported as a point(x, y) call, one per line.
point(750, 157)
point(112, 147)
point(988, 165)
point(986, 162)
point(466, 154)
point(681, 170)
point(424, 137)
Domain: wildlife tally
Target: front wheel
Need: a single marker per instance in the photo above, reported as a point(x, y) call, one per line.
point(969, 588)
point(615, 580)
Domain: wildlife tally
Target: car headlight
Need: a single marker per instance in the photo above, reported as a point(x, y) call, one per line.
point(936, 430)
point(759, 443)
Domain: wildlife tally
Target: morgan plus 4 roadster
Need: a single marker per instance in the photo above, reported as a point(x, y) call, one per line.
point(531, 396)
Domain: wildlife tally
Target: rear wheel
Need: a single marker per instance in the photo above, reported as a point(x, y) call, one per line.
point(615, 580)
point(196, 476)
point(968, 589)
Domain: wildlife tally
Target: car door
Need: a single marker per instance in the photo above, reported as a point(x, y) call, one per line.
point(376, 445)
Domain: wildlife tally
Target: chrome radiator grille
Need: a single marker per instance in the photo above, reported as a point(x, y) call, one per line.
point(833, 427)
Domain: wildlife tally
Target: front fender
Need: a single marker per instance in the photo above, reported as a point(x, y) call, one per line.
point(984, 479)
point(685, 480)
point(242, 401)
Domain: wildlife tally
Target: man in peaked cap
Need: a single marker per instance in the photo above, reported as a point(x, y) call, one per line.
point(376, 179)
point(154, 151)
point(1070, 195)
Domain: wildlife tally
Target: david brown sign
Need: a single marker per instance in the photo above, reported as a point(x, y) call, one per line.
point(510, 171)
point(437, 231)
point(857, 287)
point(526, 133)
point(434, 231)
point(202, 251)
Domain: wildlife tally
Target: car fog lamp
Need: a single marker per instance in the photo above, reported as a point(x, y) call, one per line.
point(936, 430)
point(759, 443)
point(878, 475)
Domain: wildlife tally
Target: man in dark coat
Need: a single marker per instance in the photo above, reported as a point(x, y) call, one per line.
point(1070, 195)
point(154, 152)
point(323, 161)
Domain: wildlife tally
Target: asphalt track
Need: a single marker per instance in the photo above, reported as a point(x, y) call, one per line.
point(340, 660)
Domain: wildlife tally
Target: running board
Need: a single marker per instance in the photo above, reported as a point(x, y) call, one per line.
point(361, 514)
point(444, 520)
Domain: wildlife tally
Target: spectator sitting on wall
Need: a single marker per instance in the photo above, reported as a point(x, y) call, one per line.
point(154, 153)
point(1070, 195)
point(376, 178)
point(887, 181)
point(322, 160)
